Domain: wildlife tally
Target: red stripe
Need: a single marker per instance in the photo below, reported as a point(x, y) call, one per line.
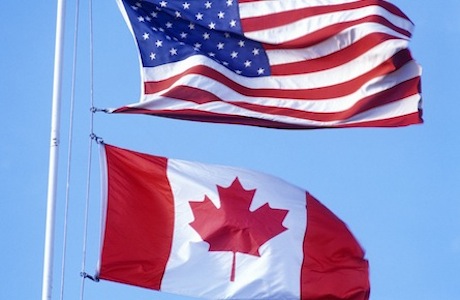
point(405, 89)
point(334, 59)
point(406, 120)
point(398, 92)
point(330, 31)
point(140, 219)
point(191, 94)
point(334, 91)
point(334, 266)
point(204, 116)
point(286, 17)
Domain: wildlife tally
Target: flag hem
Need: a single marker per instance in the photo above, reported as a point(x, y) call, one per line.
point(104, 199)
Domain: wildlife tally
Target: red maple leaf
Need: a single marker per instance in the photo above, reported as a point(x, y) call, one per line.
point(233, 227)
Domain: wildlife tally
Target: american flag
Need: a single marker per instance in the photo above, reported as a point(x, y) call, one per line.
point(281, 64)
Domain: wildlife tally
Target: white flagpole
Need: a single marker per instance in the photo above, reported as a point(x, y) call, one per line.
point(53, 158)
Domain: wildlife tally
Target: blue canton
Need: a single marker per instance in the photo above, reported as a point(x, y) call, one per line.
point(170, 31)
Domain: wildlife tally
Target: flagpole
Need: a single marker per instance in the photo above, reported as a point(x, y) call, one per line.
point(54, 151)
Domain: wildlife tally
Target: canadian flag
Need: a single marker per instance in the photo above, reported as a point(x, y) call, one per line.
point(218, 232)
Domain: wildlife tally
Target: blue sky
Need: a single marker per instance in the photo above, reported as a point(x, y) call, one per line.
point(397, 189)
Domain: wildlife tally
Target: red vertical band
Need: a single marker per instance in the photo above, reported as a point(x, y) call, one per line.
point(334, 266)
point(140, 219)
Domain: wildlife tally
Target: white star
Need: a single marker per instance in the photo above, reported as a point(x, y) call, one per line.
point(229, 2)
point(247, 63)
point(221, 14)
point(186, 5)
point(227, 35)
point(178, 15)
point(199, 16)
point(145, 36)
point(153, 56)
point(225, 63)
point(183, 35)
point(141, 19)
point(173, 51)
point(232, 23)
point(197, 46)
point(255, 51)
point(148, 18)
point(260, 71)
point(241, 43)
point(159, 43)
point(138, 4)
point(206, 36)
point(207, 4)
point(238, 72)
point(163, 3)
point(191, 26)
point(212, 25)
point(169, 25)
point(220, 46)
point(234, 54)
point(211, 54)
point(154, 14)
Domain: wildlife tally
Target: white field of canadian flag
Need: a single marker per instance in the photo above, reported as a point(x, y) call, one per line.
point(219, 232)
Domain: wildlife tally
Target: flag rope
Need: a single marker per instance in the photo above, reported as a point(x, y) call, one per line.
point(90, 145)
point(69, 148)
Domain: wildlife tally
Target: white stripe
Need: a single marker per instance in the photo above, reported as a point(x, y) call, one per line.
point(331, 45)
point(206, 274)
point(403, 107)
point(337, 75)
point(391, 110)
point(374, 86)
point(263, 8)
point(294, 30)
